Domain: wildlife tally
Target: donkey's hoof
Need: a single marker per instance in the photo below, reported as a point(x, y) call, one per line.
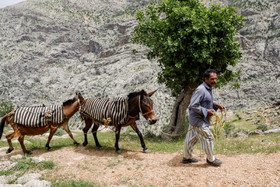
point(146, 150)
point(28, 152)
point(9, 150)
point(76, 143)
point(48, 147)
point(119, 151)
point(99, 147)
point(85, 143)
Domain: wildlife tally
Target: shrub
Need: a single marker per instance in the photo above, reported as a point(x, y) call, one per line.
point(229, 128)
point(262, 127)
point(5, 107)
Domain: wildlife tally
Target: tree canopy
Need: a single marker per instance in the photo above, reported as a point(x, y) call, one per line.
point(186, 37)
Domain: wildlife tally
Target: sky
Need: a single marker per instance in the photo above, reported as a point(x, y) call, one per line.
point(4, 3)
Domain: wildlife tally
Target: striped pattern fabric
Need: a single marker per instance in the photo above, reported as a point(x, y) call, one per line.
point(204, 136)
point(39, 116)
point(99, 109)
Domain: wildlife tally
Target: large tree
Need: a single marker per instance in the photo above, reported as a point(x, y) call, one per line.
point(186, 37)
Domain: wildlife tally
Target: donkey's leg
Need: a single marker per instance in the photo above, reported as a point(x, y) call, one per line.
point(94, 133)
point(66, 128)
point(135, 128)
point(88, 123)
point(9, 137)
point(52, 131)
point(118, 131)
point(21, 141)
point(9, 140)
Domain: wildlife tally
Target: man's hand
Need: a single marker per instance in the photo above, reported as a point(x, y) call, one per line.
point(211, 112)
point(221, 107)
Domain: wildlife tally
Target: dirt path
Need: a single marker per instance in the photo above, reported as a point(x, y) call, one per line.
point(106, 168)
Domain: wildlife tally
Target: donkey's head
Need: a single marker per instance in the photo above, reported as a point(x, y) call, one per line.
point(80, 97)
point(142, 102)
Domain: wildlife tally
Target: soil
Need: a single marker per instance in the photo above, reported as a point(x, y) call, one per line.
point(133, 168)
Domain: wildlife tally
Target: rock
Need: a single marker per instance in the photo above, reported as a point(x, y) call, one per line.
point(10, 185)
point(4, 148)
point(7, 179)
point(272, 131)
point(15, 141)
point(27, 177)
point(36, 183)
point(256, 132)
point(49, 51)
point(133, 133)
point(27, 180)
point(6, 165)
point(241, 134)
point(94, 47)
point(38, 159)
point(276, 103)
point(16, 157)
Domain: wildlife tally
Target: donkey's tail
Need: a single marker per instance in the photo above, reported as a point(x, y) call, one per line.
point(2, 124)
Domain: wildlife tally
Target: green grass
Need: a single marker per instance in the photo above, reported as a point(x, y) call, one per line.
point(227, 146)
point(252, 144)
point(25, 165)
point(244, 121)
point(72, 183)
point(5, 173)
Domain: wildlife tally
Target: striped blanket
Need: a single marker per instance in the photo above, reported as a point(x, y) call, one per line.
point(39, 116)
point(100, 110)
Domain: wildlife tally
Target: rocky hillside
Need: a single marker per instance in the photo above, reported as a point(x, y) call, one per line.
point(51, 48)
point(260, 40)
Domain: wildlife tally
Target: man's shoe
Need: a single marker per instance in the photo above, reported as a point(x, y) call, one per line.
point(216, 162)
point(190, 160)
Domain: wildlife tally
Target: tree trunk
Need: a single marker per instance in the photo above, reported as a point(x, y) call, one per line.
point(176, 125)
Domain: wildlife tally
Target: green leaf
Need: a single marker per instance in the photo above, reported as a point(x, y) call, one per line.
point(187, 38)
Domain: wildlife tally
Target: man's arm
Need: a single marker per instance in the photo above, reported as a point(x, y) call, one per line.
point(195, 106)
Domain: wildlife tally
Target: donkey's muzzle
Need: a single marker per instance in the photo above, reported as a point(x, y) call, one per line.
point(152, 121)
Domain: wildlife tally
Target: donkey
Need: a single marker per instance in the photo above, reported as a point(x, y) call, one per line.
point(38, 120)
point(119, 112)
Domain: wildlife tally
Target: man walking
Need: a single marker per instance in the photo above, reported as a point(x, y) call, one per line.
point(201, 108)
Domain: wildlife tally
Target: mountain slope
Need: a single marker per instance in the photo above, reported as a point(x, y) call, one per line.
point(51, 48)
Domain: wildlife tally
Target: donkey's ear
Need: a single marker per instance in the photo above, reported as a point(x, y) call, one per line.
point(152, 93)
point(79, 96)
point(142, 93)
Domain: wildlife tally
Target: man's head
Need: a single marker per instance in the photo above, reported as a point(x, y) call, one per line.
point(210, 77)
